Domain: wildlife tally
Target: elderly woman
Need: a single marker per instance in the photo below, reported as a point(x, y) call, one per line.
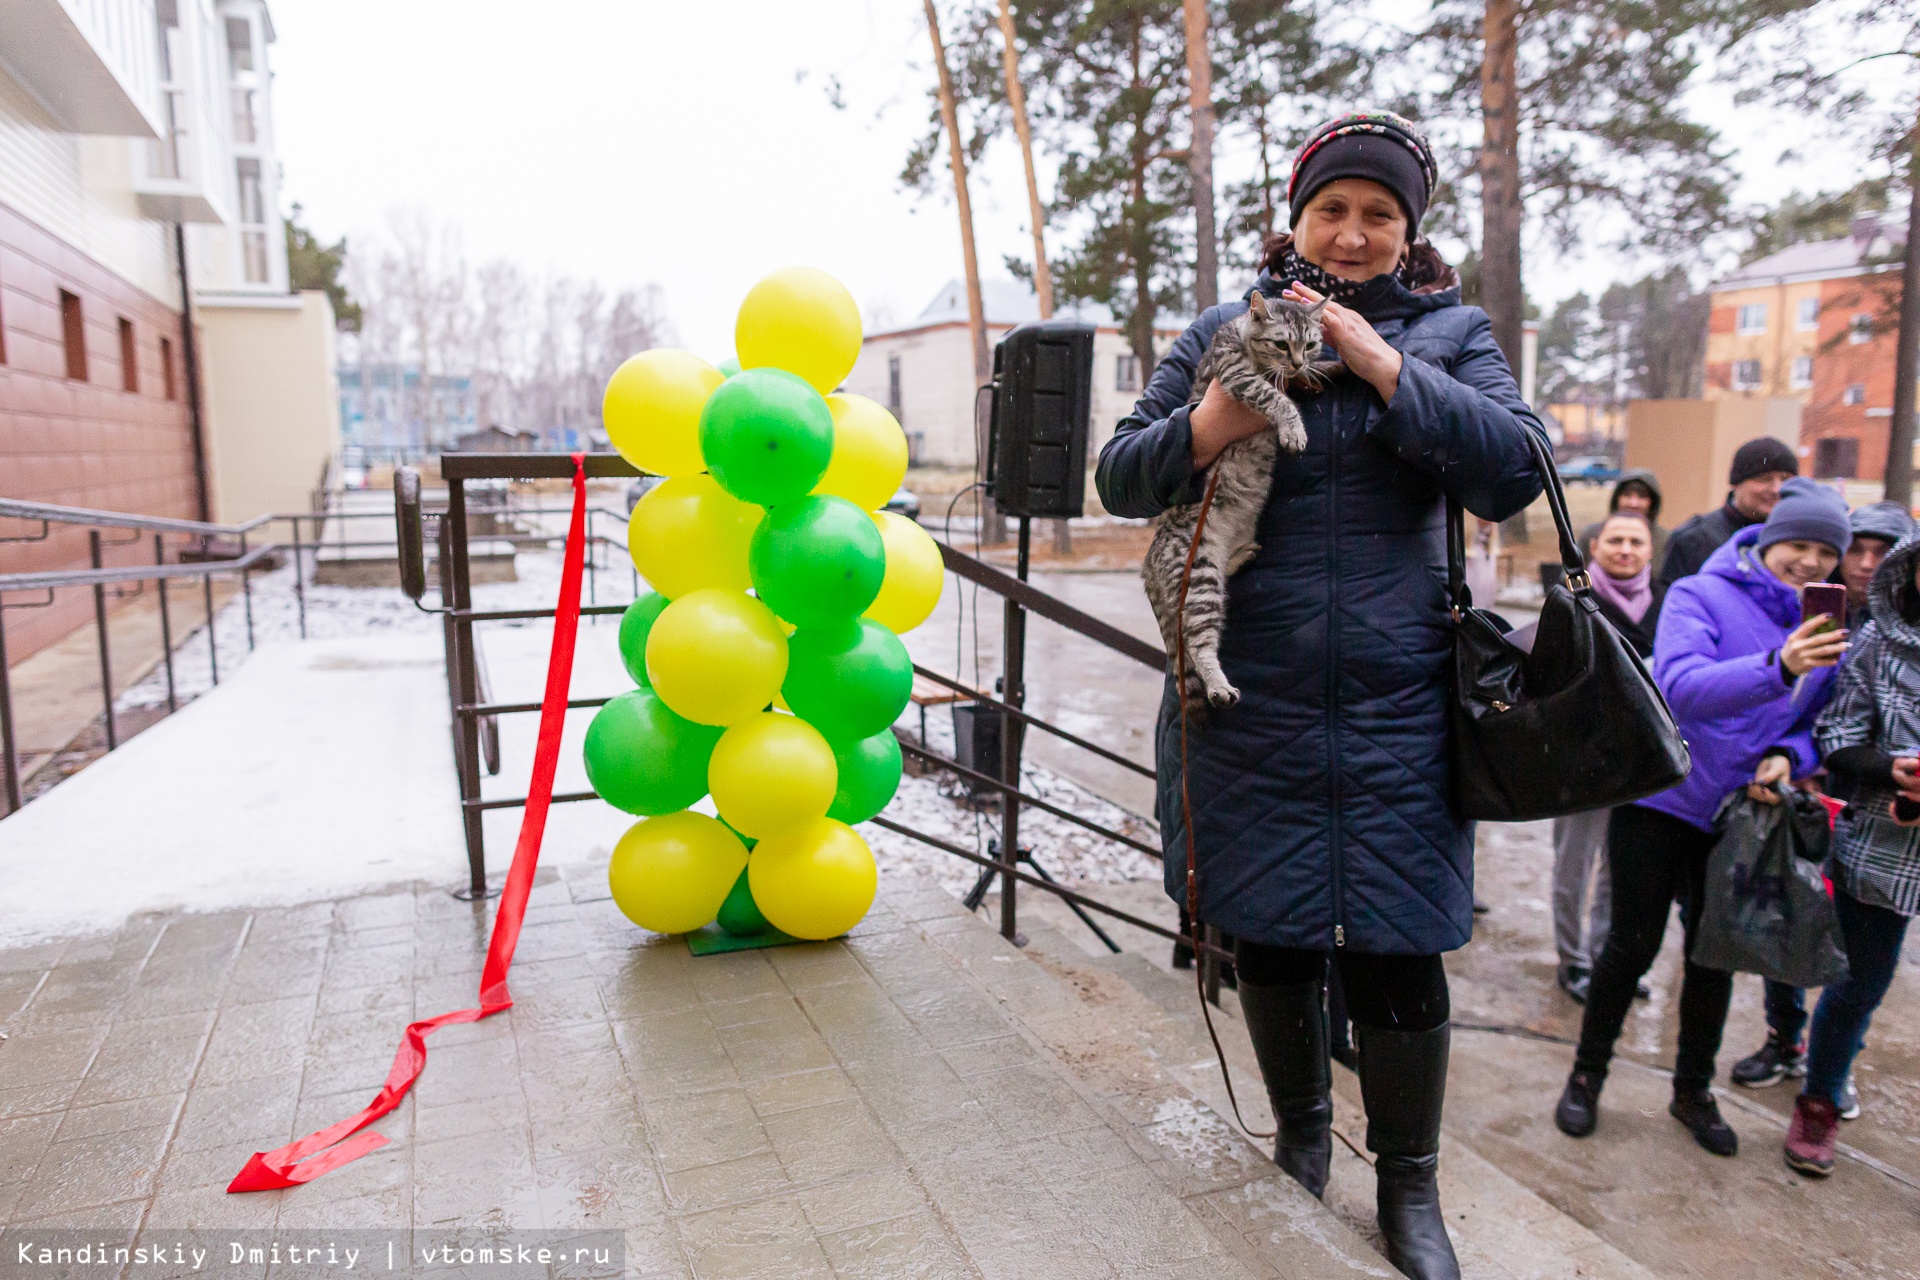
point(1323, 825)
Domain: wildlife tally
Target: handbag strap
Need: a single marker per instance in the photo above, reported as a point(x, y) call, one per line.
point(1571, 560)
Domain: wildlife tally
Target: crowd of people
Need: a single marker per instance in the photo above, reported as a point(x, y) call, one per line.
point(1766, 697)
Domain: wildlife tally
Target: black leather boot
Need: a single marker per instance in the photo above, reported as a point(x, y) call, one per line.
point(1289, 1033)
point(1403, 1079)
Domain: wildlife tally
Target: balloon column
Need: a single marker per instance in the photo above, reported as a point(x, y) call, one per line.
point(767, 653)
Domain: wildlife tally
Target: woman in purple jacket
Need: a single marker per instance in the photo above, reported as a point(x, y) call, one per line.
point(1746, 679)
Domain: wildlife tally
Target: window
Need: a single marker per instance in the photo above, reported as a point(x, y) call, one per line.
point(245, 123)
point(253, 256)
point(253, 204)
point(1126, 373)
point(166, 368)
point(1746, 375)
point(129, 357)
point(1751, 318)
point(1860, 328)
point(1856, 393)
point(73, 335)
point(1836, 458)
point(893, 384)
point(1800, 375)
point(239, 45)
point(1807, 314)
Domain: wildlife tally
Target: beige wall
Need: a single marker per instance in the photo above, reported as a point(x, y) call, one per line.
point(1775, 348)
point(272, 405)
point(1689, 444)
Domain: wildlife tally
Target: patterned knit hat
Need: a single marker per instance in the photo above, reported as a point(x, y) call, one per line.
point(1377, 145)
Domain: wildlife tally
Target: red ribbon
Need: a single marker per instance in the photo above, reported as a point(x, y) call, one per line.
point(343, 1143)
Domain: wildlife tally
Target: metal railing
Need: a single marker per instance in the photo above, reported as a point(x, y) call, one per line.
point(109, 582)
point(471, 709)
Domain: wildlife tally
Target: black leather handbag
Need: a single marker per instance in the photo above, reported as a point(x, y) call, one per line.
point(1570, 723)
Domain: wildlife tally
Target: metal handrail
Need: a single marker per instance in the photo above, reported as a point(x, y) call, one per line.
point(135, 573)
point(14, 509)
point(471, 708)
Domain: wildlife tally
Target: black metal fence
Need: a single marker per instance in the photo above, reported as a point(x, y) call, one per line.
point(473, 711)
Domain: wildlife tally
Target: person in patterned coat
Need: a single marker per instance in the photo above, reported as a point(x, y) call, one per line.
point(1869, 735)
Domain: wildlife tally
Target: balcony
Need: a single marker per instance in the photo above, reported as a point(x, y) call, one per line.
point(90, 63)
point(182, 176)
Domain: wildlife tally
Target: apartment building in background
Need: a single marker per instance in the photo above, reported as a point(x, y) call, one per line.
point(139, 185)
point(923, 370)
point(1815, 322)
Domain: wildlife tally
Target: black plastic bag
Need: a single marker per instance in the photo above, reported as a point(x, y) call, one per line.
point(1767, 909)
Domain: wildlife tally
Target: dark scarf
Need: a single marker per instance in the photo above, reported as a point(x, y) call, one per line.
point(1421, 271)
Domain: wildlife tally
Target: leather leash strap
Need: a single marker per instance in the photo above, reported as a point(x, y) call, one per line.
point(343, 1143)
point(1186, 805)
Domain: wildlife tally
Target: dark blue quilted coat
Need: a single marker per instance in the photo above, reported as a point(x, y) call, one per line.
point(1321, 803)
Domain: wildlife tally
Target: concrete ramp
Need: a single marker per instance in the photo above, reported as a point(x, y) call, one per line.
point(313, 771)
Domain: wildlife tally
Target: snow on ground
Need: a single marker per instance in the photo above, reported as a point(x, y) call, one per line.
point(323, 768)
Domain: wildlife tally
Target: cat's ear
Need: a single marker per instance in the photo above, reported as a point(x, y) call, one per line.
point(1313, 312)
point(1258, 305)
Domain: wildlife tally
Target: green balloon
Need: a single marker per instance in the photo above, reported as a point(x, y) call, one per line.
point(643, 758)
point(848, 681)
point(817, 562)
point(729, 367)
point(767, 436)
point(739, 914)
point(869, 775)
point(635, 623)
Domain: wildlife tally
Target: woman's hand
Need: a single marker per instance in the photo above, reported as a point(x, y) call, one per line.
point(1773, 771)
point(1355, 341)
point(1906, 776)
point(1218, 421)
point(1806, 648)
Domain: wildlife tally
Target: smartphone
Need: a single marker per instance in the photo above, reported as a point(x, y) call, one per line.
point(1829, 598)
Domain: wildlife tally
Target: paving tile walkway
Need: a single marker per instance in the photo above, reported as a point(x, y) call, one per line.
point(896, 1104)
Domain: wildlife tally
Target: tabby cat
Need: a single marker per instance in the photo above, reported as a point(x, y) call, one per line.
point(1255, 357)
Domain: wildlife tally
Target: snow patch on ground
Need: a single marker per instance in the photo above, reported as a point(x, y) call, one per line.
point(323, 768)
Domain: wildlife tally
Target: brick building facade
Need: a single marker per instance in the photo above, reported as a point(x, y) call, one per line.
point(1817, 322)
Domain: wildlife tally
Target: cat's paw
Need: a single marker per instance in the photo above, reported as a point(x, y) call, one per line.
point(1225, 695)
point(1292, 436)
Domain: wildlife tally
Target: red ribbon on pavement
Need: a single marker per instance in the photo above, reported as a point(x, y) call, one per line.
point(343, 1143)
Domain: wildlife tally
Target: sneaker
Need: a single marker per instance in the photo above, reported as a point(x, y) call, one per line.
point(1576, 983)
point(1771, 1063)
point(1848, 1099)
point(1811, 1136)
point(1701, 1114)
point(1579, 1109)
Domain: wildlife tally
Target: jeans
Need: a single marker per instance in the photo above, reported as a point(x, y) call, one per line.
point(1655, 859)
point(1580, 913)
point(1873, 936)
point(1786, 1011)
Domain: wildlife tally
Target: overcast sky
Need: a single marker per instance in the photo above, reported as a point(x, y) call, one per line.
point(638, 141)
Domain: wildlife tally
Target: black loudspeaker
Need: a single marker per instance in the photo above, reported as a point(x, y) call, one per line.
point(1042, 398)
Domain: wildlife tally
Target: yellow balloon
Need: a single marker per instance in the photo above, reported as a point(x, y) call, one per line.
point(716, 657)
point(652, 410)
point(772, 774)
point(869, 453)
point(816, 882)
point(915, 574)
point(689, 533)
point(802, 320)
point(671, 873)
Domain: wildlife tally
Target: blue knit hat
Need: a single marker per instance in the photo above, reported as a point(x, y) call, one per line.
point(1807, 512)
point(1887, 521)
